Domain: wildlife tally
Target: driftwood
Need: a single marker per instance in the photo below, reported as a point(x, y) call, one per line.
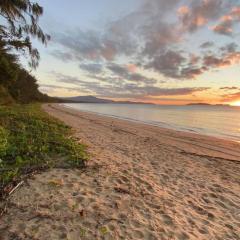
point(6, 201)
point(15, 188)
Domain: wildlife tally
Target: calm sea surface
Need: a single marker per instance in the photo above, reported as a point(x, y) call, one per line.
point(219, 121)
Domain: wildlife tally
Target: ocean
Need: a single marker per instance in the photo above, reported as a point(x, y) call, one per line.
point(219, 121)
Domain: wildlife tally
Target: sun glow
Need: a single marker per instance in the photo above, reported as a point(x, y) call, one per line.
point(236, 103)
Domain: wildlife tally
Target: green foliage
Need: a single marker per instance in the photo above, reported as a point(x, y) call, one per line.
point(31, 139)
point(5, 97)
point(16, 84)
point(3, 141)
point(103, 230)
point(21, 22)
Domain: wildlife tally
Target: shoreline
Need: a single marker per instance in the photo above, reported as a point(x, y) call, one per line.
point(164, 125)
point(142, 182)
point(178, 134)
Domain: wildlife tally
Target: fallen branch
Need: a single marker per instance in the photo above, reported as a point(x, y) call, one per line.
point(15, 188)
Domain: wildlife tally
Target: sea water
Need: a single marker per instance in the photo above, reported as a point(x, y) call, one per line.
point(218, 121)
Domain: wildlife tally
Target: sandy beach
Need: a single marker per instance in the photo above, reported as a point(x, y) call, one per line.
point(141, 182)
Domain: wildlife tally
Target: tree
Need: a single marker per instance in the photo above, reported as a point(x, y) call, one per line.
point(20, 23)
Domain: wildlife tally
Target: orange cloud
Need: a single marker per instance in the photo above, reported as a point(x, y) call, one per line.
point(93, 55)
point(233, 58)
point(225, 25)
point(226, 22)
point(184, 10)
point(132, 68)
point(194, 59)
point(229, 59)
point(199, 14)
point(233, 97)
point(109, 52)
point(223, 29)
point(226, 18)
point(236, 12)
point(200, 21)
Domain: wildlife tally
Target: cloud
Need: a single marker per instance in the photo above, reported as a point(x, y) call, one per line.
point(132, 67)
point(135, 91)
point(152, 38)
point(87, 45)
point(168, 63)
point(223, 57)
point(50, 87)
point(93, 68)
point(121, 73)
point(124, 90)
point(159, 36)
point(173, 99)
point(227, 22)
point(228, 59)
point(229, 88)
point(210, 61)
point(229, 48)
point(181, 65)
point(199, 13)
point(231, 97)
point(176, 64)
point(225, 27)
point(207, 44)
point(183, 11)
point(124, 73)
point(118, 38)
point(143, 31)
point(156, 91)
point(63, 55)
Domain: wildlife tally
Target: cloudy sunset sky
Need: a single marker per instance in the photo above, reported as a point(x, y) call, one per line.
point(166, 52)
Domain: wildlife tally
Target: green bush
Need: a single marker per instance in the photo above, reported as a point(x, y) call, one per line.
point(31, 139)
point(3, 142)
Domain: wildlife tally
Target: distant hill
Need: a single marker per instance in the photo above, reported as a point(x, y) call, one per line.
point(199, 104)
point(207, 104)
point(86, 99)
point(92, 99)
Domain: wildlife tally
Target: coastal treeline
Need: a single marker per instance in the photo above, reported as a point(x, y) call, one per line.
point(17, 85)
point(18, 24)
point(30, 140)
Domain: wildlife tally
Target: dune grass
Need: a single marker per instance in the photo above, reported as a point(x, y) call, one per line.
point(31, 140)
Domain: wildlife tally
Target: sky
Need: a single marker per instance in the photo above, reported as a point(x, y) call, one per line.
point(165, 52)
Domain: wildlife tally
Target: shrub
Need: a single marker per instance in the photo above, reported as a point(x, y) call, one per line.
point(30, 139)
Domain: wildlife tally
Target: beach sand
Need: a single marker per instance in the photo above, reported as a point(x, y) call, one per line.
point(142, 182)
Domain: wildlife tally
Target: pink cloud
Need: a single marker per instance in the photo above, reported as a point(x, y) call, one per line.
point(236, 12)
point(132, 68)
point(231, 97)
point(200, 21)
point(226, 22)
point(225, 61)
point(109, 52)
point(199, 13)
point(184, 10)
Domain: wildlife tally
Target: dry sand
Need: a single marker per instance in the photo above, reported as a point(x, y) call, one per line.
point(142, 182)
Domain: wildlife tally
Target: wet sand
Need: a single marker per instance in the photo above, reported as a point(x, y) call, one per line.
point(142, 182)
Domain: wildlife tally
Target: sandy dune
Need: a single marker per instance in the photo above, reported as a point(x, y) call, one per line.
point(142, 182)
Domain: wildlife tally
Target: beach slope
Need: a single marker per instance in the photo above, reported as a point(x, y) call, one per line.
point(142, 182)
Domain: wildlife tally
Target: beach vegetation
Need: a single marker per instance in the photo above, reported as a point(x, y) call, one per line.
point(19, 25)
point(31, 140)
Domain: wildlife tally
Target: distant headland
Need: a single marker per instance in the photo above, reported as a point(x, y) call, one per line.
point(92, 99)
point(208, 104)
